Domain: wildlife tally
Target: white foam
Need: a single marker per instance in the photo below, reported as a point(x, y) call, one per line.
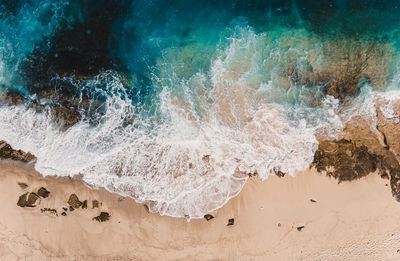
point(195, 153)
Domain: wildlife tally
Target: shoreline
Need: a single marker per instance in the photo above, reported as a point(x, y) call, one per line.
point(275, 219)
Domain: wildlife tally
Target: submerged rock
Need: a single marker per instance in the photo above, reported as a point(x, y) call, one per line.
point(22, 200)
point(65, 117)
point(104, 216)
point(7, 152)
point(74, 202)
point(43, 192)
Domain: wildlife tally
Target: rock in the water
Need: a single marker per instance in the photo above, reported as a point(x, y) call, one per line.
point(32, 198)
point(43, 192)
point(208, 217)
point(22, 200)
point(7, 152)
point(65, 117)
point(12, 98)
point(104, 216)
point(95, 204)
point(22, 185)
point(84, 204)
point(231, 222)
point(74, 202)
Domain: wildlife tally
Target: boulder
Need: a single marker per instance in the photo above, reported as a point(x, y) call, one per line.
point(208, 217)
point(22, 200)
point(104, 216)
point(74, 202)
point(32, 198)
point(43, 192)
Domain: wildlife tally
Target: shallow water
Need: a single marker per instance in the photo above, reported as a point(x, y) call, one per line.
point(181, 101)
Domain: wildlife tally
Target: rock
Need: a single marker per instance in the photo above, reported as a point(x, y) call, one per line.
point(231, 222)
point(313, 201)
point(300, 228)
point(74, 202)
point(280, 173)
point(7, 152)
point(51, 210)
point(71, 208)
point(22, 200)
point(32, 198)
point(65, 209)
point(208, 217)
point(12, 98)
point(43, 192)
point(84, 204)
point(22, 185)
point(63, 214)
point(279, 225)
point(65, 117)
point(104, 216)
point(95, 204)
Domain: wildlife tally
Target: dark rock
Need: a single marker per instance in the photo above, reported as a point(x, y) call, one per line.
point(279, 225)
point(71, 208)
point(7, 152)
point(300, 228)
point(313, 201)
point(74, 202)
point(22, 200)
point(104, 216)
point(208, 217)
point(65, 209)
point(32, 198)
point(95, 204)
point(50, 210)
point(84, 204)
point(22, 185)
point(63, 214)
point(12, 98)
point(344, 160)
point(43, 192)
point(280, 173)
point(231, 222)
point(65, 117)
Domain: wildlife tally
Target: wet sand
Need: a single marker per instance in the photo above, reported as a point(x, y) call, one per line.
point(309, 217)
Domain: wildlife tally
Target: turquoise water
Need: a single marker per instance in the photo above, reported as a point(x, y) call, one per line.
point(181, 100)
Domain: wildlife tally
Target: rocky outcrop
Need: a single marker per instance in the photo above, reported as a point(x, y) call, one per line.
point(363, 150)
point(7, 152)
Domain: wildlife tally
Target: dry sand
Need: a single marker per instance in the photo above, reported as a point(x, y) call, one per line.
point(357, 220)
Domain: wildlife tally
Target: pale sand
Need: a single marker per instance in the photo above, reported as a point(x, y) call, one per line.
point(358, 220)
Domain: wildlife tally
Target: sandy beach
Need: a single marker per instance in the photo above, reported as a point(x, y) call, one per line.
point(308, 217)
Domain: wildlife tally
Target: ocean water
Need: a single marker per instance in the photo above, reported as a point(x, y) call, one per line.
point(193, 97)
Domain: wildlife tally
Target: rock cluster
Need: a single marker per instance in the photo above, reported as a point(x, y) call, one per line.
point(7, 152)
